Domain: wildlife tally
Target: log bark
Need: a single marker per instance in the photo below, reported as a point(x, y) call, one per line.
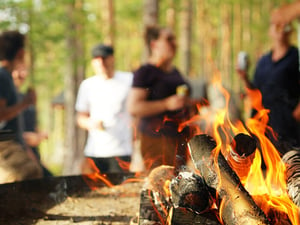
point(292, 162)
point(237, 206)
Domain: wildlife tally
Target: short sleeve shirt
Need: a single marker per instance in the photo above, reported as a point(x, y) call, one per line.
point(105, 100)
point(159, 85)
point(8, 92)
point(280, 88)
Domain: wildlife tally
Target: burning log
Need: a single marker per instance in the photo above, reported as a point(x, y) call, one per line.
point(191, 200)
point(237, 206)
point(292, 162)
point(185, 199)
point(241, 154)
point(190, 191)
point(154, 200)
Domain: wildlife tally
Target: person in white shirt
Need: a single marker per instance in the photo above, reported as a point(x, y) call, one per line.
point(101, 110)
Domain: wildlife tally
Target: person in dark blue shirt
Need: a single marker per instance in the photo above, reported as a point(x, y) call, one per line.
point(277, 78)
point(11, 55)
point(16, 161)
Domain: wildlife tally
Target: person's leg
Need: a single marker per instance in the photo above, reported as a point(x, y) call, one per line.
point(152, 151)
point(119, 164)
point(101, 163)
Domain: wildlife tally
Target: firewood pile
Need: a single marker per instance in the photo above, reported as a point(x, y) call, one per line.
point(212, 191)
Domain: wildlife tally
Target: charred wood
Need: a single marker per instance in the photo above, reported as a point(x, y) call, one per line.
point(241, 154)
point(237, 206)
point(190, 191)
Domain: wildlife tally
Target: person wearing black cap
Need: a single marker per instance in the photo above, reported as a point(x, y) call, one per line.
point(100, 108)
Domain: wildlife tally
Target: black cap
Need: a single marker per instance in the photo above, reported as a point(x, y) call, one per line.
point(102, 51)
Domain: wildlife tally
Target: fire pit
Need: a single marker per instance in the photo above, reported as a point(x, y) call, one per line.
point(70, 199)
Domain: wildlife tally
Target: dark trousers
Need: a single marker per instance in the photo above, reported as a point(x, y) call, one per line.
point(164, 150)
point(112, 164)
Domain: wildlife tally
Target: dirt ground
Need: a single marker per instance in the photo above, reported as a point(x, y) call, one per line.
point(117, 205)
point(69, 200)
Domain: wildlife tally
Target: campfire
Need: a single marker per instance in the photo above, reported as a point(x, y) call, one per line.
point(225, 182)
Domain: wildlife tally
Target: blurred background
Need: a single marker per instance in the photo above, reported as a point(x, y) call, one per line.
point(60, 34)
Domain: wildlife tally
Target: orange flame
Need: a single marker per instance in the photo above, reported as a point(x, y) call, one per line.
point(268, 189)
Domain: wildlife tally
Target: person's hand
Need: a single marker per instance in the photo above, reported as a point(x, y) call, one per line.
point(175, 102)
point(281, 16)
point(286, 13)
point(296, 113)
point(30, 97)
point(100, 125)
point(95, 125)
point(242, 73)
point(43, 135)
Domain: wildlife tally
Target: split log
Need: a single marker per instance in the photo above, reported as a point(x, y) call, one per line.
point(292, 162)
point(191, 200)
point(241, 154)
point(237, 206)
point(190, 191)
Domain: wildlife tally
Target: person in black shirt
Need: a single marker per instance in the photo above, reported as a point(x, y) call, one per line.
point(16, 161)
point(277, 78)
point(160, 99)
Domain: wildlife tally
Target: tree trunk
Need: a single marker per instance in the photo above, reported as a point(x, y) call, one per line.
point(108, 19)
point(151, 11)
point(74, 136)
point(171, 15)
point(185, 36)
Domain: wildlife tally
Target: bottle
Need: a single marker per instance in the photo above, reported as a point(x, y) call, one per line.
point(243, 60)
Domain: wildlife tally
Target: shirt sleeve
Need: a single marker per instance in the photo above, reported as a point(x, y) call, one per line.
point(142, 77)
point(4, 85)
point(82, 104)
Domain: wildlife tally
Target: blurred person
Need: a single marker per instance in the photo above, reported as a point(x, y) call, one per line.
point(283, 15)
point(277, 78)
point(101, 111)
point(16, 162)
point(159, 98)
point(31, 135)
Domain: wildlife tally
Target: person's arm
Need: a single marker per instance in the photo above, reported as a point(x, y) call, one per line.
point(33, 139)
point(245, 78)
point(286, 13)
point(296, 112)
point(138, 105)
point(85, 122)
point(9, 112)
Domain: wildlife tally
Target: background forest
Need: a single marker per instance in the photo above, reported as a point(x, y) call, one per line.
point(210, 33)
